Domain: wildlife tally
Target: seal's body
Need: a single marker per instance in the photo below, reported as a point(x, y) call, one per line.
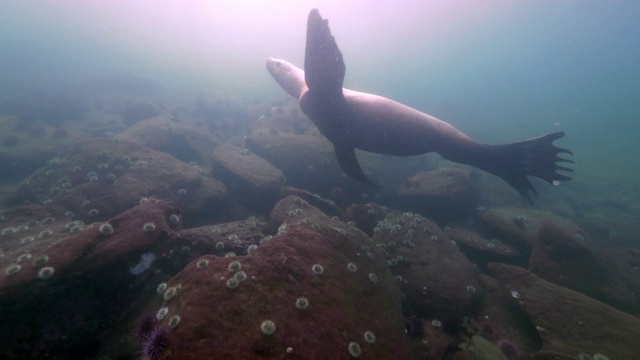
point(355, 120)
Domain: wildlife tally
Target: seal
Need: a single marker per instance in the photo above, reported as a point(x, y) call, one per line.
point(356, 120)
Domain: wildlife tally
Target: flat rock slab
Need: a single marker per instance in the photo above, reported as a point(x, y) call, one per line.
point(98, 179)
point(72, 247)
point(222, 239)
point(24, 148)
point(253, 178)
point(180, 139)
point(520, 226)
point(305, 159)
point(483, 249)
point(447, 193)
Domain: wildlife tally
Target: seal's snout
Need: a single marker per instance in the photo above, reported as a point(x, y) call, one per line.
point(269, 63)
point(276, 66)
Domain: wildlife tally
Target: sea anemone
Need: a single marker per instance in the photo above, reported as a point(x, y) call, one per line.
point(234, 266)
point(302, 303)
point(354, 349)
point(106, 229)
point(46, 273)
point(268, 327)
point(369, 337)
point(317, 269)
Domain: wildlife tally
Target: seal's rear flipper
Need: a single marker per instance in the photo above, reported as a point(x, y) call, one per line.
point(534, 157)
point(349, 164)
point(323, 64)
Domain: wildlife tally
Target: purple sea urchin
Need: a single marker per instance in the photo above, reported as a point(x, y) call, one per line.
point(145, 326)
point(155, 343)
point(508, 348)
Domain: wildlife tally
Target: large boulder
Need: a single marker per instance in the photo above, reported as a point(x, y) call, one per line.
point(566, 260)
point(436, 278)
point(568, 323)
point(64, 283)
point(559, 251)
point(311, 280)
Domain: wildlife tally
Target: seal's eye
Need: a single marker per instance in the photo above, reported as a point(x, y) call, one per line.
point(278, 64)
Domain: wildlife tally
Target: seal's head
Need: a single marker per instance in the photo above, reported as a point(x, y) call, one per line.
point(289, 77)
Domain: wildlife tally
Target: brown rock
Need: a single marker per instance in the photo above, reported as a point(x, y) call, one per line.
point(139, 111)
point(226, 323)
point(307, 160)
point(433, 344)
point(520, 226)
point(444, 194)
point(481, 249)
point(436, 278)
point(123, 173)
point(22, 152)
point(91, 284)
point(623, 264)
point(223, 238)
point(180, 139)
point(566, 260)
point(254, 180)
point(366, 216)
point(326, 206)
point(569, 323)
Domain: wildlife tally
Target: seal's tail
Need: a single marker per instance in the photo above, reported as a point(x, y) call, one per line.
point(533, 157)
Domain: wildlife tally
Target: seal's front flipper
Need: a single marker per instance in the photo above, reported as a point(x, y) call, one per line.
point(323, 64)
point(349, 164)
point(533, 157)
point(324, 103)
